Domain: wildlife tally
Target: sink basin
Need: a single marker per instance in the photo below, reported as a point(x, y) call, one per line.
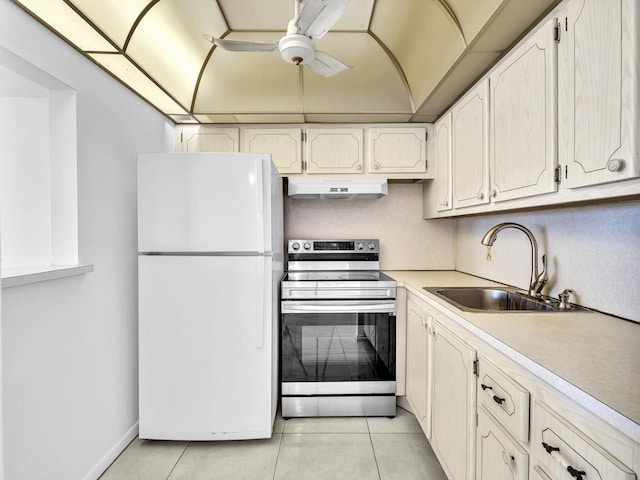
point(491, 299)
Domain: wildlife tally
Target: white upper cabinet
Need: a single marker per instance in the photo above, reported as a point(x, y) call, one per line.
point(523, 118)
point(209, 139)
point(335, 150)
point(284, 145)
point(470, 151)
point(397, 150)
point(598, 91)
point(442, 154)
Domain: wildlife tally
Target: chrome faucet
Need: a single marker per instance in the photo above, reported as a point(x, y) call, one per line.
point(538, 279)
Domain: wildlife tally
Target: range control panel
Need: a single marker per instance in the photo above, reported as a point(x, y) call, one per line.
point(333, 246)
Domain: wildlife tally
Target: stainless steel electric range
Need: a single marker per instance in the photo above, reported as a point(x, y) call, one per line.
point(338, 350)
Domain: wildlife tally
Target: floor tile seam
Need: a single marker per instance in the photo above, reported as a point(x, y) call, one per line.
point(275, 467)
point(325, 433)
point(178, 461)
point(375, 457)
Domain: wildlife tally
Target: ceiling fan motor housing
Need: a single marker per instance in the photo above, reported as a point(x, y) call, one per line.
point(297, 49)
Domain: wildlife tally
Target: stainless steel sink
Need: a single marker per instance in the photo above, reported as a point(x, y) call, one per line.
point(495, 299)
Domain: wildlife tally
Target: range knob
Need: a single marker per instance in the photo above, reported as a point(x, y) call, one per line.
point(295, 246)
point(307, 245)
point(360, 246)
point(371, 246)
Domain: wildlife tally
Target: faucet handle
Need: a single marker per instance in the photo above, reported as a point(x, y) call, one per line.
point(542, 278)
point(564, 298)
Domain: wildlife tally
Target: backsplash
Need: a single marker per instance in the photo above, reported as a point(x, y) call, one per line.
point(407, 242)
point(592, 250)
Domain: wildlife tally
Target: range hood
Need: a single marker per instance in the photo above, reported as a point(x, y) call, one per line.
point(348, 188)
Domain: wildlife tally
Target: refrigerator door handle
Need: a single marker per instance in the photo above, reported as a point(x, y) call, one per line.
point(260, 204)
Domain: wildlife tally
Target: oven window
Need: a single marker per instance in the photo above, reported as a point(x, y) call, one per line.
point(338, 347)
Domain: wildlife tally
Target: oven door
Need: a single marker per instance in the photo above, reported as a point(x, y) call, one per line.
point(338, 347)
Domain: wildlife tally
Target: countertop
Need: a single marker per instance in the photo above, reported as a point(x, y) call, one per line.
point(591, 357)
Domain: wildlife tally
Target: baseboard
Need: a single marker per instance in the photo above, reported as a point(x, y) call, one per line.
point(99, 468)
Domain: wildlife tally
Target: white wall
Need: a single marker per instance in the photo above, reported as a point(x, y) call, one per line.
point(407, 242)
point(69, 346)
point(592, 249)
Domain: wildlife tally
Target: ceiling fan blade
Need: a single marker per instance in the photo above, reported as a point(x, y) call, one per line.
point(318, 16)
point(326, 65)
point(240, 46)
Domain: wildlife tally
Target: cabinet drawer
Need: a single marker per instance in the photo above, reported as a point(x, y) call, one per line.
point(561, 449)
point(500, 457)
point(507, 400)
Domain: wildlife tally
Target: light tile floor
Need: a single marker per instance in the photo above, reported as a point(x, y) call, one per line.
point(353, 448)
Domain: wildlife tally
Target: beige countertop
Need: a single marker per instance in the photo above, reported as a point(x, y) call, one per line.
point(591, 357)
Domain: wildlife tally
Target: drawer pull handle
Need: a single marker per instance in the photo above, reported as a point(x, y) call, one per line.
point(575, 473)
point(498, 400)
point(486, 387)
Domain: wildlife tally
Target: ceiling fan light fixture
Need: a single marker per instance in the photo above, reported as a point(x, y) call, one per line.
point(297, 49)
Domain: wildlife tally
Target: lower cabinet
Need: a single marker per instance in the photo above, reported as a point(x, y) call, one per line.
point(499, 456)
point(489, 418)
point(453, 410)
point(564, 452)
point(418, 385)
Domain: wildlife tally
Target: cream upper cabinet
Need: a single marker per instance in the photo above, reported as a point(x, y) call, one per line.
point(284, 145)
point(418, 387)
point(470, 147)
point(209, 139)
point(397, 150)
point(335, 150)
point(523, 118)
point(453, 409)
point(598, 68)
point(442, 154)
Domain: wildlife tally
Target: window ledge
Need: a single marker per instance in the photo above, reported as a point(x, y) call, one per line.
point(15, 276)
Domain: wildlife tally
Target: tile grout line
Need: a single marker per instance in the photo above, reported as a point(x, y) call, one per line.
point(178, 461)
point(373, 449)
point(275, 468)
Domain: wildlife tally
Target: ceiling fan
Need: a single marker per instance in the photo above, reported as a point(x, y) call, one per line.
point(313, 18)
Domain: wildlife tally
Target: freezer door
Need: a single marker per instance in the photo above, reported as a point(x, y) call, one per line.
point(204, 202)
point(206, 348)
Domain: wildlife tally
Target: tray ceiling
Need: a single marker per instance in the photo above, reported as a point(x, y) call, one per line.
point(410, 59)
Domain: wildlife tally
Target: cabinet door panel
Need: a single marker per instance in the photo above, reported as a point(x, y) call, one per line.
point(598, 69)
point(397, 150)
point(499, 456)
point(284, 145)
point(206, 139)
point(470, 150)
point(417, 363)
point(443, 162)
point(335, 150)
point(453, 411)
point(523, 119)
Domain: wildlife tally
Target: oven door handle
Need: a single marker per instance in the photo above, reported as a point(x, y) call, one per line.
point(339, 307)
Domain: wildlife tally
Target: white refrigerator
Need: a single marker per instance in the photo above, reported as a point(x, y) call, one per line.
point(210, 261)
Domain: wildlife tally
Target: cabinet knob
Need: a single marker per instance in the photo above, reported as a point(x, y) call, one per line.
point(358, 167)
point(376, 166)
point(494, 193)
point(481, 196)
point(615, 165)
